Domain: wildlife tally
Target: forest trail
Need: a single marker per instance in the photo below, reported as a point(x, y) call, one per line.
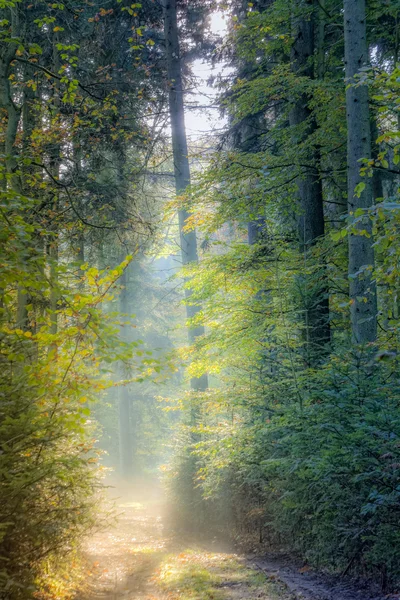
point(123, 558)
point(137, 559)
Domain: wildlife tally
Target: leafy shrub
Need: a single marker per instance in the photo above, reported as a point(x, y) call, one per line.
point(48, 377)
point(334, 468)
point(322, 479)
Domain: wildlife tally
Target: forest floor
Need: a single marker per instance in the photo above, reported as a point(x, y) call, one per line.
point(138, 559)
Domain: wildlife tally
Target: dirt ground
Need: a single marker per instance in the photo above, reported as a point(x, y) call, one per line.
point(136, 558)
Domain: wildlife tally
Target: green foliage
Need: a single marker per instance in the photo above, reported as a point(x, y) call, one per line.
point(321, 480)
point(333, 468)
point(291, 447)
point(74, 142)
point(48, 462)
point(296, 441)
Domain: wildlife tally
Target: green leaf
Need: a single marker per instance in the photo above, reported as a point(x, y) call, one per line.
point(360, 187)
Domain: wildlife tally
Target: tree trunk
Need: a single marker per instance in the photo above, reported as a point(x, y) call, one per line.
point(54, 292)
point(246, 139)
point(13, 112)
point(361, 253)
point(188, 240)
point(125, 439)
point(311, 225)
point(319, 6)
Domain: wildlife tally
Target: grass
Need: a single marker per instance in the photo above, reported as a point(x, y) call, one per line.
point(198, 575)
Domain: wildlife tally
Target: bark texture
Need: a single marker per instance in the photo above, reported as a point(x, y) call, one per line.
point(361, 253)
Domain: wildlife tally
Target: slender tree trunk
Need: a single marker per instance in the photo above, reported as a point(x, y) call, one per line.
point(125, 437)
point(311, 224)
point(319, 7)
point(55, 164)
point(13, 118)
point(80, 251)
point(81, 259)
point(361, 253)
point(255, 229)
point(188, 240)
point(23, 298)
point(247, 140)
point(54, 292)
point(13, 112)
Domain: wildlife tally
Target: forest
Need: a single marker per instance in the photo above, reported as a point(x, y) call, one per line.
point(199, 299)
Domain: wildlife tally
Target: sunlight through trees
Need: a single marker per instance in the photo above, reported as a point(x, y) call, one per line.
point(199, 286)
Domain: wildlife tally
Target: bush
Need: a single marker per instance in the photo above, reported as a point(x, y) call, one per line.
point(334, 468)
point(48, 377)
point(321, 480)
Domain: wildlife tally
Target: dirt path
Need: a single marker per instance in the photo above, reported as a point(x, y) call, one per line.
point(305, 584)
point(124, 558)
point(136, 559)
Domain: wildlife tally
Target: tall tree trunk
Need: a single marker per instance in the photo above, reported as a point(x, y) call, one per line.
point(361, 253)
point(319, 8)
point(80, 250)
point(247, 140)
point(55, 165)
point(311, 225)
point(188, 240)
point(118, 159)
point(54, 292)
point(13, 112)
point(125, 439)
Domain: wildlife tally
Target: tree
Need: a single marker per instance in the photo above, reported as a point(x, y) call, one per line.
point(360, 191)
point(125, 429)
point(62, 114)
point(292, 452)
point(311, 221)
point(180, 149)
